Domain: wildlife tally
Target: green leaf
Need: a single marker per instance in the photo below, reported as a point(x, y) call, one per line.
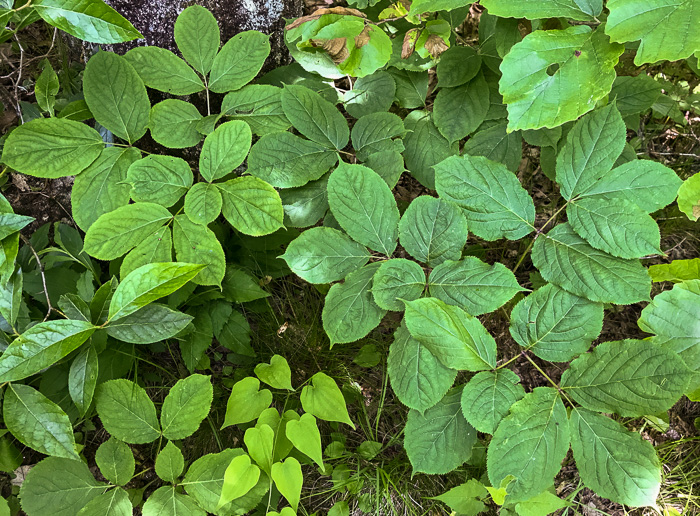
point(169, 463)
point(661, 27)
point(112, 503)
point(417, 377)
point(457, 66)
point(473, 285)
point(585, 10)
point(252, 206)
point(433, 230)
point(676, 271)
point(260, 441)
point(241, 287)
point(459, 111)
point(288, 479)
point(388, 164)
point(259, 105)
point(364, 206)
point(148, 283)
point(456, 338)
point(234, 333)
point(672, 318)
point(590, 151)
point(77, 110)
point(635, 94)
point(630, 378)
point(488, 397)
point(166, 501)
point(82, 379)
point(195, 243)
point(322, 398)
point(159, 179)
point(555, 324)
point(203, 203)
point(585, 70)
point(530, 444)
point(11, 298)
point(411, 87)
point(38, 422)
point(276, 374)
point(688, 197)
point(186, 406)
point(246, 402)
point(350, 311)
point(306, 438)
point(622, 229)
point(101, 187)
point(370, 94)
point(465, 499)
point(120, 230)
point(156, 247)
point(304, 206)
point(315, 117)
point(46, 88)
point(494, 202)
point(51, 148)
point(600, 277)
point(618, 464)
point(116, 462)
point(173, 124)
point(42, 346)
point(324, 255)
point(497, 144)
point(285, 160)
point(197, 37)
point(60, 487)
point(439, 440)
point(127, 412)
point(224, 150)
point(543, 503)
point(89, 20)
point(239, 61)
point(424, 6)
point(375, 132)
point(162, 70)
point(425, 147)
point(116, 96)
point(396, 279)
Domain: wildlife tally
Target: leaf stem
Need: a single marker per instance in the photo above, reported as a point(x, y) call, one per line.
point(556, 386)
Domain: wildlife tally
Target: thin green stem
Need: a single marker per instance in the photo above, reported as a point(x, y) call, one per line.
point(556, 386)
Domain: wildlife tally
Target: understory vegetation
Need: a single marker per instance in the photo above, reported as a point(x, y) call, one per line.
point(447, 261)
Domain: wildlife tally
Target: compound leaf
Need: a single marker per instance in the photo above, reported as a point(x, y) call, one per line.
point(169, 463)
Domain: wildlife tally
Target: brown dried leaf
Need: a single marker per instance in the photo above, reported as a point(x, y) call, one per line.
point(336, 48)
point(409, 43)
point(362, 38)
point(320, 12)
point(435, 45)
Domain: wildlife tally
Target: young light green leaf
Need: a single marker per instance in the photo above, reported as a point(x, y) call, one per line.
point(488, 397)
point(466, 498)
point(439, 440)
point(364, 206)
point(198, 244)
point(197, 37)
point(239, 61)
point(433, 230)
point(116, 462)
point(425, 147)
point(315, 117)
point(156, 247)
point(127, 412)
point(417, 377)
point(259, 105)
point(397, 279)
point(324, 255)
point(51, 148)
point(159, 179)
point(166, 501)
point(112, 503)
point(305, 436)
point(585, 10)
point(544, 503)
point(186, 406)
point(616, 463)
point(459, 111)
point(530, 444)
point(323, 399)
point(116, 96)
point(659, 25)
point(494, 202)
point(601, 277)
point(677, 271)
point(585, 70)
point(60, 487)
point(252, 206)
point(260, 441)
point(473, 285)
point(555, 324)
point(203, 203)
point(101, 187)
point(162, 70)
point(38, 422)
point(288, 479)
point(42, 346)
point(46, 88)
point(375, 133)
point(276, 374)
point(239, 478)
point(350, 311)
point(82, 379)
point(117, 232)
point(224, 150)
point(370, 94)
point(170, 463)
point(688, 197)
point(90, 20)
point(246, 402)
point(456, 338)
point(148, 283)
point(173, 124)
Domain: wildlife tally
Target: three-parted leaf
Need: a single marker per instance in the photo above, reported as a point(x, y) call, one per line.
point(488, 396)
point(315, 117)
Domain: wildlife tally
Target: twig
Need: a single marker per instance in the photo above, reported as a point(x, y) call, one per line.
point(41, 271)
